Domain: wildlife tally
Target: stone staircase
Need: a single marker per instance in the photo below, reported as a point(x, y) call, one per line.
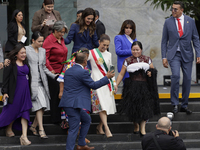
point(123, 137)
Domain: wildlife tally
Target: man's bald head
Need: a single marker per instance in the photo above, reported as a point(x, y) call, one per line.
point(80, 58)
point(164, 123)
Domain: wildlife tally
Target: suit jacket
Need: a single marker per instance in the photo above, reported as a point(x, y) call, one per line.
point(77, 85)
point(81, 40)
point(56, 53)
point(10, 80)
point(171, 39)
point(12, 36)
point(123, 50)
point(100, 29)
point(38, 19)
point(165, 141)
point(37, 68)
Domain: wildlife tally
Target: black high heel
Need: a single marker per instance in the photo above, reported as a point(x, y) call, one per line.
point(141, 135)
point(97, 131)
point(136, 132)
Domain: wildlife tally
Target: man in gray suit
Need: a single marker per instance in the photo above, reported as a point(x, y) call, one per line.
point(178, 32)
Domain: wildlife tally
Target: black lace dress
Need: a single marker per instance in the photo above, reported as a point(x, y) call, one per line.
point(140, 94)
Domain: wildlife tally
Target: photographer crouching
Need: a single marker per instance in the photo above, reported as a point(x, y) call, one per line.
point(163, 138)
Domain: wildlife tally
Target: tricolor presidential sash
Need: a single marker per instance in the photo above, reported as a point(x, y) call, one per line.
point(99, 60)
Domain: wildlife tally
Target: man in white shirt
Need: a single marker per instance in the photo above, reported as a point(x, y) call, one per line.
point(178, 32)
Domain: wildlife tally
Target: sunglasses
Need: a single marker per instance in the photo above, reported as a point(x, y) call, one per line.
point(174, 9)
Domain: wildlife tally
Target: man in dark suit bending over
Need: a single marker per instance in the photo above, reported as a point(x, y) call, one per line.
point(76, 100)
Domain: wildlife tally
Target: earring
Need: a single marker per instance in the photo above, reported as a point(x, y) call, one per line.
point(15, 57)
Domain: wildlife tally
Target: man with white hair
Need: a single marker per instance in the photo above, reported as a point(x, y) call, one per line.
point(161, 139)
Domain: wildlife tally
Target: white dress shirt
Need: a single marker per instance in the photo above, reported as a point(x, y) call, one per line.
point(129, 38)
point(181, 20)
point(79, 65)
point(182, 24)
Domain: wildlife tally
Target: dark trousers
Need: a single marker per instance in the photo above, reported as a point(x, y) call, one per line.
point(75, 116)
point(186, 67)
point(54, 102)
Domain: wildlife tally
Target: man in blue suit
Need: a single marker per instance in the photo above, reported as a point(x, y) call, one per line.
point(178, 32)
point(76, 99)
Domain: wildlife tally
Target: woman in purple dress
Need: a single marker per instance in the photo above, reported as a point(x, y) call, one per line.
point(16, 92)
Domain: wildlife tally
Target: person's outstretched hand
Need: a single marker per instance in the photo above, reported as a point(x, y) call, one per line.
point(110, 74)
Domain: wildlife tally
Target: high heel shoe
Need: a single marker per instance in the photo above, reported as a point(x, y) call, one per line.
point(43, 134)
point(136, 132)
point(97, 130)
point(33, 129)
point(109, 135)
point(141, 135)
point(24, 141)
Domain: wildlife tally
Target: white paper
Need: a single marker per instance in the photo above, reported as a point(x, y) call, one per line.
point(50, 22)
point(5, 102)
point(23, 40)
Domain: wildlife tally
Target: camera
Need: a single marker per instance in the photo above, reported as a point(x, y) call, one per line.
point(170, 115)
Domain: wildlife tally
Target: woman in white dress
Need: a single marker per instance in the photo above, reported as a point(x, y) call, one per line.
point(103, 101)
point(36, 56)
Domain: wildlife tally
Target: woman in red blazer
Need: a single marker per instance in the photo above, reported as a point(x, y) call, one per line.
point(56, 53)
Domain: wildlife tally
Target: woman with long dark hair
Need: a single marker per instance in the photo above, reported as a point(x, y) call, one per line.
point(123, 42)
point(16, 30)
point(16, 92)
point(82, 32)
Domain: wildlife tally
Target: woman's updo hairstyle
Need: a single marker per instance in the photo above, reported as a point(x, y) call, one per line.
point(104, 37)
point(137, 43)
point(35, 36)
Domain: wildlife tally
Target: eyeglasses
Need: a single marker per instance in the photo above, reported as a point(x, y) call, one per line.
point(174, 9)
point(62, 32)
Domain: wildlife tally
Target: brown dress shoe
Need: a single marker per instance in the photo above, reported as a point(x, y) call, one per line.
point(84, 147)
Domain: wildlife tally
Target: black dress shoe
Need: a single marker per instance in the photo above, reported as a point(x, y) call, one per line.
point(188, 112)
point(175, 110)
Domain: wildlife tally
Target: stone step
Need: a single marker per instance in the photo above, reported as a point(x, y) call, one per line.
point(121, 127)
point(134, 145)
point(123, 137)
point(164, 107)
point(123, 118)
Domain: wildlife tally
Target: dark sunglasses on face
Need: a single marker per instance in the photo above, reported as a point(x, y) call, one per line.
point(174, 9)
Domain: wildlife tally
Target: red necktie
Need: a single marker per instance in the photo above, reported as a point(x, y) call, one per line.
point(180, 30)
